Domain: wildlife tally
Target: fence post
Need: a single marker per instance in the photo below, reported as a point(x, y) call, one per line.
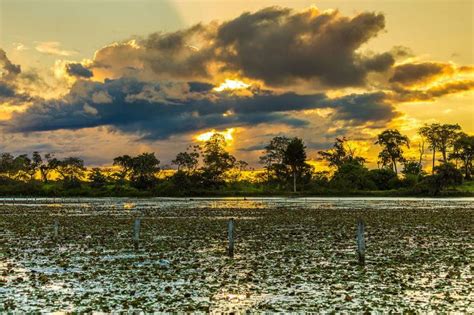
point(136, 233)
point(56, 228)
point(360, 242)
point(230, 237)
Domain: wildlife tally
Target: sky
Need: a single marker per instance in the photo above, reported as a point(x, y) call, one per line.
point(101, 78)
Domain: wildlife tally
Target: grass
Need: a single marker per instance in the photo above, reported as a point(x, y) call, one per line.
point(467, 186)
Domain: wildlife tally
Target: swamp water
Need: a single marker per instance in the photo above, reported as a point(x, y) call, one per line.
point(289, 255)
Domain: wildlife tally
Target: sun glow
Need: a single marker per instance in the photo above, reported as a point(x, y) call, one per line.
point(229, 84)
point(207, 135)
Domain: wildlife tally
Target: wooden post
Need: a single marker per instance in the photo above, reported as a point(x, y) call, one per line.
point(56, 228)
point(136, 232)
point(230, 237)
point(361, 242)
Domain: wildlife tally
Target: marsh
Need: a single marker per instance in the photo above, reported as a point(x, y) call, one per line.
point(290, 255)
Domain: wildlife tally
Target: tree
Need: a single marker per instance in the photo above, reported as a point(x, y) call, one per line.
point(140, 169)
point(448, 175)
point(383, 178)
point(97, 178)
point(187, 161)
point(7, 165)
point(216, 160)
point(392, 141)
point(21, 167)
point(447, 135)
point(412, 167)
point(340, 153)
point(272, 159)
point(352, 175)
point(429, 132)
point(295, 158)
point(48, 165)
point(36, 162)
point(440, 137)
point(143, 170)
point(464, 151)
point(71, 169)
point(124, 162)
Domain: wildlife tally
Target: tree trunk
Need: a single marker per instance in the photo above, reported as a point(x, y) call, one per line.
point(294, 181)
point(467, 169)
point(444, 156)
point(434, 158)
point(395, 166)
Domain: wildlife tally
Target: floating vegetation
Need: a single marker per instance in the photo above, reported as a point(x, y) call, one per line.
point(298, 255)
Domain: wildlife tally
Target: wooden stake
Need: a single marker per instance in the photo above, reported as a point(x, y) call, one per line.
point(360, 242)
point(230, 237)
point(56, 228)
point(136, 232)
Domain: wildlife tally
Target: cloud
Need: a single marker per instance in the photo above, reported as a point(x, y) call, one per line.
point(160, 118)
point(275, 45)
point(53, 48)
point(20, 46)
point(430, 94)
point(410, 73)
point(9, 74)
point(101, 97)
point(424, 72)
point(367, 107)
point(6, 91)
point(78, 70)
point(9, 69)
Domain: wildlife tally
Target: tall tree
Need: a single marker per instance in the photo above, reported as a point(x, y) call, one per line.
point(464, 151)
point(187, 161)
point(97, 178)
point(144, 169)
point(273, 156)
point(36, 162)
point(429, 132)
point(340, 153)
point(295, 158)
point(392, 142)
point(71, 169)
point(7, 165)
point(141, 169)
point(447, 135)
point(124, 162)
point(48, 165)
point(217, 161)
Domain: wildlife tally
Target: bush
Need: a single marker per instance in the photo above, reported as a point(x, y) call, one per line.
point(352, 176)
point(384, 178)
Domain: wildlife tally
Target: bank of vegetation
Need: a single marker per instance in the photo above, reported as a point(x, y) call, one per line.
point(210, 170)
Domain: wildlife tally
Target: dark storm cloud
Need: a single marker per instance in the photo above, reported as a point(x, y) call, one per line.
point(78, 70)
point(160, 118)
point(360, 108)
point(276, 45)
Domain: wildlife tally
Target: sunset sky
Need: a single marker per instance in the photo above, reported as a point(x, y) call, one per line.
point(101, 78)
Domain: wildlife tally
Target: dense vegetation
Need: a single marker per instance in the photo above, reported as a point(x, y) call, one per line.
point(209, 169)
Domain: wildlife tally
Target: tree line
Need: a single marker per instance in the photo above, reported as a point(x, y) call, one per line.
point(210, 168)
